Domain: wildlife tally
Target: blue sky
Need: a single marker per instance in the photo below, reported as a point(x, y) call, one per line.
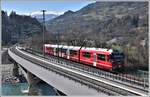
point(34, 6)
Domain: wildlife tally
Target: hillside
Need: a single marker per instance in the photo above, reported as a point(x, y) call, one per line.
point(17, 28)
point(104, 21)
point(120, 25)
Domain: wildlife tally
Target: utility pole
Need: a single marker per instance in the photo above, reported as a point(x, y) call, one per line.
point(43, 30)
point(84, 42)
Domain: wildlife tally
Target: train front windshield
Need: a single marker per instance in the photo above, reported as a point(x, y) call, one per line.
point(117, 58)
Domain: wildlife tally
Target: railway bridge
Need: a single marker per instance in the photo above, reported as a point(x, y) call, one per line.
point(72, 78)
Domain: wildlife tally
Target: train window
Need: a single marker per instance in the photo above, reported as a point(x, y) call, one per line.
point(73, 52)
point(86, 54)
point(101, 57)
point(64, 50)
point(58, 49)
point(108, 58)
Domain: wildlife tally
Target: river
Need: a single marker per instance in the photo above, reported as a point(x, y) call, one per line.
point(16, 89)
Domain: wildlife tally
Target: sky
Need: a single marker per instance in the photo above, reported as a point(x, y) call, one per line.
point(30, 7)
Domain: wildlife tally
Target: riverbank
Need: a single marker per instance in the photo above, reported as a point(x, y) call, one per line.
point(7, 75)
point(12, 85)
point(18, 86)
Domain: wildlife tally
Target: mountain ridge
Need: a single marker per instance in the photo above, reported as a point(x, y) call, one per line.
point(48, 17)
point(118, 25)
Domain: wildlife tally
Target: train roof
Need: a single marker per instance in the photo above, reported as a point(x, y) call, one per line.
point(77, 48)
point(97, 49)
point(48, 45)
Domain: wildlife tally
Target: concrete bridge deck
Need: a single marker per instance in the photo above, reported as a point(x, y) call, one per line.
point(68, 86)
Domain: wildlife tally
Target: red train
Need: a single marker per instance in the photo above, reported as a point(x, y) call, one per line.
point(107, 59)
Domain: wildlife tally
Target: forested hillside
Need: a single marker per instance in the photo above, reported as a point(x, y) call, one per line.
point(17, 28)
point(119, 25)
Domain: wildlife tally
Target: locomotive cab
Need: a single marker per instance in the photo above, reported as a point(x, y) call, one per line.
point(117, 60)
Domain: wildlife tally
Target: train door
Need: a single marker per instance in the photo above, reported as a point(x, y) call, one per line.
point(94, 61)
point(68, 54)
point(54, 51)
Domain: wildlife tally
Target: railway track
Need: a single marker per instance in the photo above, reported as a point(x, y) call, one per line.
point(121, 78)
point(110, 90)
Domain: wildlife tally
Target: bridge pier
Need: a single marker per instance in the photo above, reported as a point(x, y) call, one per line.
point(15, 70)
point(32, 81)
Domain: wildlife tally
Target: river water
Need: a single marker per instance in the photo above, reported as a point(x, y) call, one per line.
point(16, 89)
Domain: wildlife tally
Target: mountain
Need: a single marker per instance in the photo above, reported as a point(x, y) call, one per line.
point(39, 17)
point(107, 24)
point(104, 21)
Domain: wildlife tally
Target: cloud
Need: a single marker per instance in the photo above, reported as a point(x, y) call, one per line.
point(39, 13)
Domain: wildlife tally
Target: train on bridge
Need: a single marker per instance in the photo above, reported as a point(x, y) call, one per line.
point(107, 59)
